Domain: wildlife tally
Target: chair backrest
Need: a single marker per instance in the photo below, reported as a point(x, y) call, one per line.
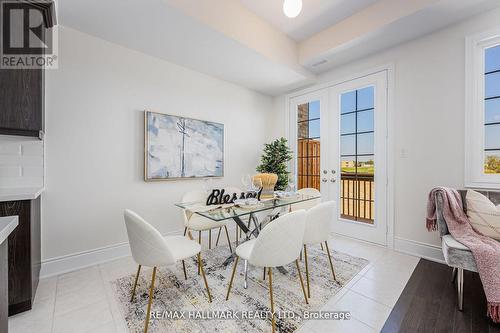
point(318, 220)
point(146, 243)
point(192, 196)
point(280, 242)
point(309, 203)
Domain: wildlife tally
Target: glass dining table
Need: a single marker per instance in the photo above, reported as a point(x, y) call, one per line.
point(250, 219)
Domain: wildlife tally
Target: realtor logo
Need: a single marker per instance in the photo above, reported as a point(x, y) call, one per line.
point(29, 35)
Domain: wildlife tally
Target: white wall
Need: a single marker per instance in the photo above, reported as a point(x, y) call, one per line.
point(95, 139)
point(429, 120)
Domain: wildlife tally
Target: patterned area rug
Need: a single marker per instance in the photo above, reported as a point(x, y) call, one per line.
point(173, 292)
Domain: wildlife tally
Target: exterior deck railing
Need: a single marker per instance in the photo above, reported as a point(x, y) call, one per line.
point(357, 197)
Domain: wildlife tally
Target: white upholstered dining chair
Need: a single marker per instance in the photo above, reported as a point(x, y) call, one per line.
point(196, 222)
point(309, 203)
point(149, 248)
point(317, 231)
point(278, 244)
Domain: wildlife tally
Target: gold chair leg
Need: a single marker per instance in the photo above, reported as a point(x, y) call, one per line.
point(228, 240)
point(322, 249)
point(209, 239)
point(151, 291)
point(232, 277)
point(330, 259)
point(200, 263)
point(271, 297)
point(307, 272)
point(301, 281)
point(135, 283)
point(199, 241)
point(218, 236)
point(184, 269)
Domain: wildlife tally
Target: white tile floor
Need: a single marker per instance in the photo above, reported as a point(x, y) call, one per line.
point(82, 301)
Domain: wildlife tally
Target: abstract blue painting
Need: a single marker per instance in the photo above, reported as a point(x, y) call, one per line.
point(179, 147)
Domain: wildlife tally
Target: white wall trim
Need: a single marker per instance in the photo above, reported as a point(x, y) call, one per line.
point(75, 261)
point(419, 249)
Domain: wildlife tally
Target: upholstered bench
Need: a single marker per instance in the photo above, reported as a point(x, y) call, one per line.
point(455, 253)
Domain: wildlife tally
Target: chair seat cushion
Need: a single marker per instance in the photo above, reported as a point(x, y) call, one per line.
point(182, 247)
point(243, 251)
point(457, 255)
point(200, 223)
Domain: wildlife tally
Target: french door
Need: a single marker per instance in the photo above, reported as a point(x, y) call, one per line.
point(339, 135)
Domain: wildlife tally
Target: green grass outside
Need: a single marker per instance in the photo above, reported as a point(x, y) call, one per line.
point(363, 169)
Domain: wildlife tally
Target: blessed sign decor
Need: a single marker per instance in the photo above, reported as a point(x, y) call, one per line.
point(219, 197)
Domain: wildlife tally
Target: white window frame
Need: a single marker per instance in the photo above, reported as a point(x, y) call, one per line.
point(474, 110)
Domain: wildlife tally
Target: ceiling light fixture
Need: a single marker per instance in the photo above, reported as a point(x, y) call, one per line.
point(292, 8)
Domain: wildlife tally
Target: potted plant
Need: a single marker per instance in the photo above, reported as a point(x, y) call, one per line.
point(274, 160)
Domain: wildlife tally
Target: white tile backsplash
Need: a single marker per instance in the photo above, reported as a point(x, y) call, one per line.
point(21, 162)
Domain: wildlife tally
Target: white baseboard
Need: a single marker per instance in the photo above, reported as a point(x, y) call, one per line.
point(419, 249)
point(76, 261)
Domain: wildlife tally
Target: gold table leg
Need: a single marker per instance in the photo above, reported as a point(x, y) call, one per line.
point(301, 281)
point(151, 291)
point(200, 264)
point(232, 277)
point(135, 283)
point(307, 272)
point(330, 259)
point(271, 297)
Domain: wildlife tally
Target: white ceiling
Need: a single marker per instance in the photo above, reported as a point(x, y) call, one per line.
point(251, 43)
point(316, 15)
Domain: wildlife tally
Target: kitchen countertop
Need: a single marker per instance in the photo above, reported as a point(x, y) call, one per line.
point(7, 225)
point(20, 193)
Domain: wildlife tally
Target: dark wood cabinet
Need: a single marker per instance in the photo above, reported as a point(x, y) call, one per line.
point(22, 102)
point(22, 93)
point(24, 260)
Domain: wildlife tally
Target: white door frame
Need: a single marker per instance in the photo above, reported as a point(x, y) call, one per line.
point(290, 133)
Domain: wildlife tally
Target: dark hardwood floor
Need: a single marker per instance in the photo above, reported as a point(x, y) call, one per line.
point(429, 303)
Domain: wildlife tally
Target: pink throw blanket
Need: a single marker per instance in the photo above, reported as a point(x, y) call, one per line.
point(486, 251)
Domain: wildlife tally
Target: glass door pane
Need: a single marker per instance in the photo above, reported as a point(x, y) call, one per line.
point(308, 145)
point(357, 152)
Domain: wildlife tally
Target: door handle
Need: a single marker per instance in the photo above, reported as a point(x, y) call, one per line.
point(324, 180)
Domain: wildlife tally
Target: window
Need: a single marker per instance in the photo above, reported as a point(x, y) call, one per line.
point(357, 155)
point(492, 110)
point(308, 144)
point(482, 165)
